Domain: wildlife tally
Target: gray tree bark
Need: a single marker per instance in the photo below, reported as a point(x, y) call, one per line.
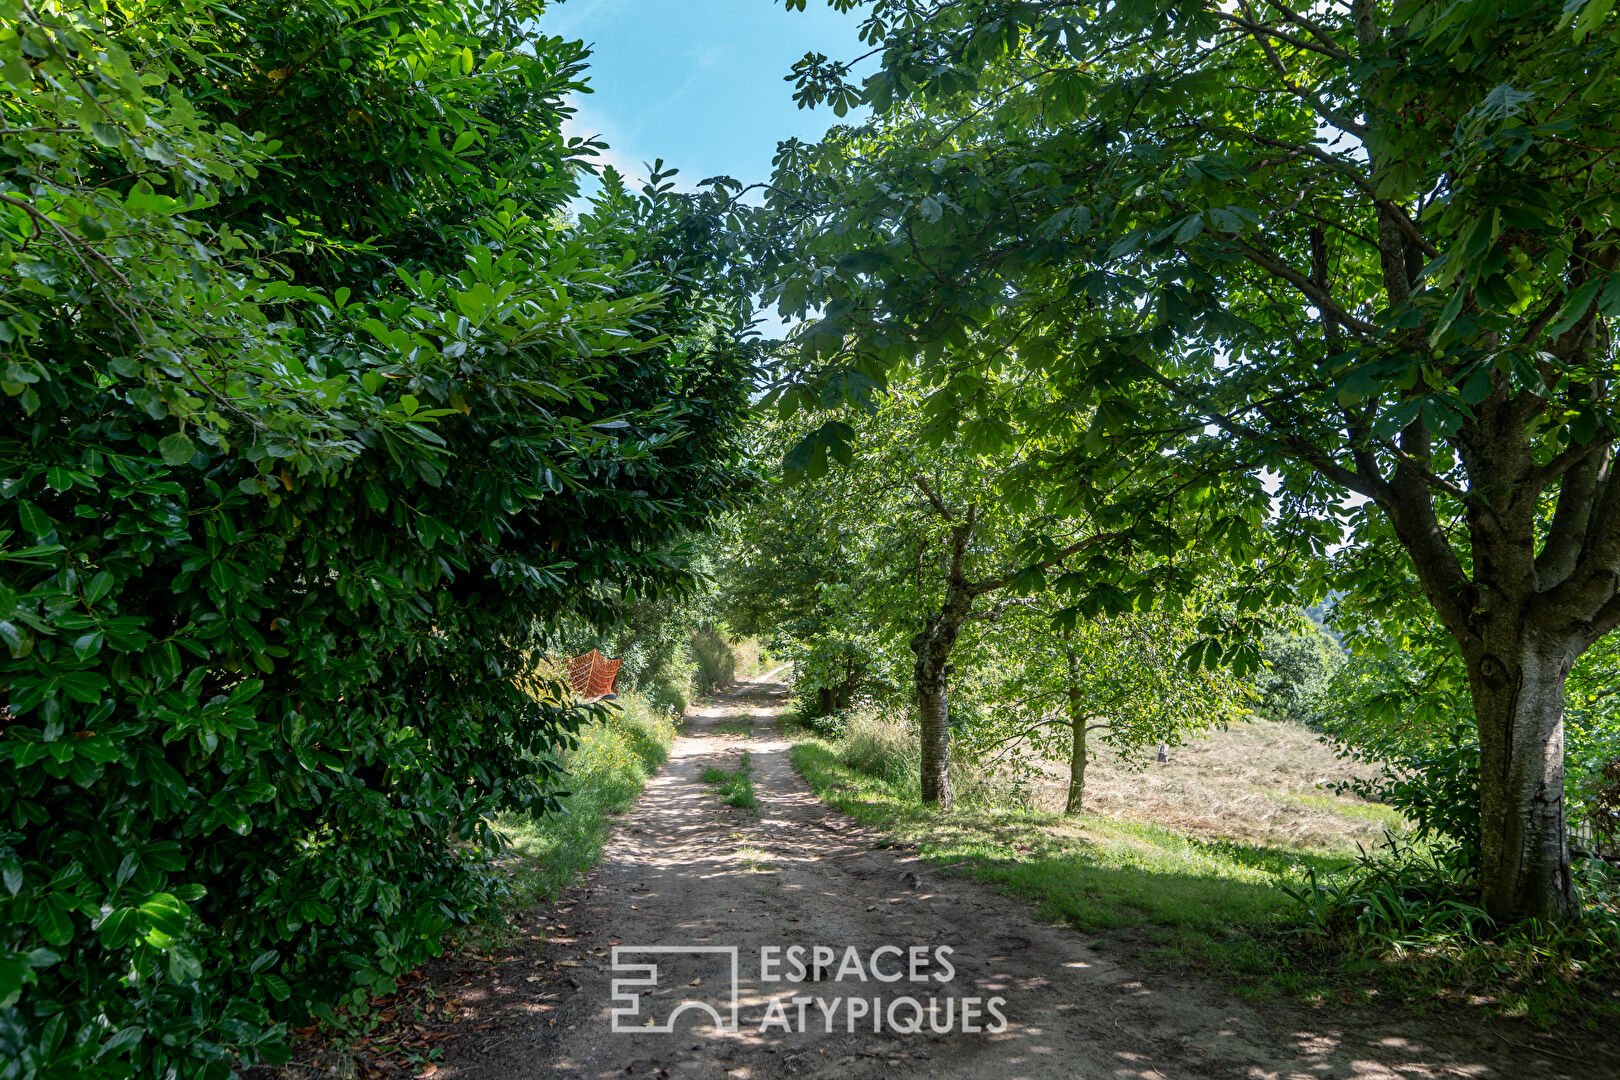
point(934, 712)
point(1519, 710)
point(933, 644)
point(1077, 739)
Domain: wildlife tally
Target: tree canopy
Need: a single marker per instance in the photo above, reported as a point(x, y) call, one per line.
point(1368, 250)
point(925, 542)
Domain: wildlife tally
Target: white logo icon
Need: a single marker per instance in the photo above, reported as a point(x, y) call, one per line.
point(627, 992)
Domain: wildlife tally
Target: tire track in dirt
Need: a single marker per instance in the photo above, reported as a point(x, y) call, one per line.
point(683, 870)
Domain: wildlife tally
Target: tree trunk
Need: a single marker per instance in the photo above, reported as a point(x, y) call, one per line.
point(1519, 708)
point(829, 699)
point(934, 711)
point(1077, 740)
point(932, 675)
point(1077, 765)
point(932, 671)
point(1520, 620)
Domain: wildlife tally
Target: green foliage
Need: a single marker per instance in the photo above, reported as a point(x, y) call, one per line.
point(308, 438)
point(1124, 678)
point(1351, 269)
point(1601, 805)
point(1413, 909)
point(1300, 663)
point(753, 657)
point(796, 568)
point(1397, 899)
point(652, 636)
point(1399, 702)
point(929, 538)
point(715, 662)
point(1435, 786)
point(845, 663)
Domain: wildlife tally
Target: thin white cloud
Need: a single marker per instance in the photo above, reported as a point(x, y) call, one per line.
point(565, 19)
point(585, 124)
point(619, 152)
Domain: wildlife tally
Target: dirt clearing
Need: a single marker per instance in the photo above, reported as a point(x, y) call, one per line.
point(687, 878)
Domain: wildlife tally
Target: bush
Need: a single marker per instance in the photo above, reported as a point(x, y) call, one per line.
point(1434, 786)
point(1415, 909)
point(1599, 809)
point(280, 534)
point(1401, 702)
point(1398, 897)
point(668, 696)
point(650, 637)
point(832, 671)
point(716, 663)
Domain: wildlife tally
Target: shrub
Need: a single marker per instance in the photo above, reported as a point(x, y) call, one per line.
point(1401, 702)
point(716, 663)
point(279, 535)
point(668, 695)
point(1415, 909)
point(1400, 897)
point(1434, 786)
point(1599, 810)
point(834, 669)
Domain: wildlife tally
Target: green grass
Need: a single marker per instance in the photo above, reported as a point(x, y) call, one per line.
point(743, 726)
point(1387, 816)
point(606, 772)
point(1214, 904)
point(1221, 905)
point(736, 788)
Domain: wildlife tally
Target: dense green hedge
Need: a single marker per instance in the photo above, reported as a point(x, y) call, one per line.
point(308, 439)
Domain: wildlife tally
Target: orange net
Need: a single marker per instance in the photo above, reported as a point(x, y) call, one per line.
point(591, 676)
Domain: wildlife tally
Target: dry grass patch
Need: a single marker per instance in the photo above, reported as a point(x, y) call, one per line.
point(1263, 782)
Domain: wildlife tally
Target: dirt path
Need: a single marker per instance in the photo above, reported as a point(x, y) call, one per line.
point(685, 871)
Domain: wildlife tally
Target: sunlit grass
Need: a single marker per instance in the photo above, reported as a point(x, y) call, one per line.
point(1215, 903)
point(1386, 816)
point(606, 772)
point(1220, 905)
point(736, 788)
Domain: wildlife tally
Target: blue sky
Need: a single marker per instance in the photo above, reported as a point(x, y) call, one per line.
point(698, 82)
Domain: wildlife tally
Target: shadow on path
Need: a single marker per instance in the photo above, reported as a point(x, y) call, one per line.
point(685, 872)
